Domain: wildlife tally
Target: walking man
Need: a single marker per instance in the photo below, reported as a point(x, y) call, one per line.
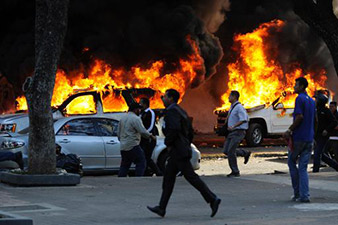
point(300, 135)
point(237, 124)
point(178, 133)
point(326, 125)
point(129, 133)
point(148, 119)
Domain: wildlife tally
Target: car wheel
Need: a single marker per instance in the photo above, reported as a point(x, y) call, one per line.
point(163, 160)
point(254, 135)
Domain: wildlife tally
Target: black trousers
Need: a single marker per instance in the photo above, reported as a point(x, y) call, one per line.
point(135, 155)
point(148, 148)
point(331, 146)
point(185, 167)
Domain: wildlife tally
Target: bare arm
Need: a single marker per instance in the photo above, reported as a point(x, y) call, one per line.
point(298, 120)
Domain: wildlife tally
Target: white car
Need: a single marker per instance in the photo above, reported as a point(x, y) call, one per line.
point(93, 139)
point(14, 123)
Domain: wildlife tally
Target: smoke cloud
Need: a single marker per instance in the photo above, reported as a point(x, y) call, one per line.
point(129, 33)
point(296, 43)
point(123, 33)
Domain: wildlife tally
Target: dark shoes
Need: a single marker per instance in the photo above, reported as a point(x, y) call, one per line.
point(294, 198)
point(247, 157)
point(298, 199)
point(232, 174)
point(306, 200)
point(157, 210)
point(214, 206)
point(19, 160)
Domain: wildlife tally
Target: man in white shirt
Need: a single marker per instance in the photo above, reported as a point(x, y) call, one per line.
point(238, 123)
point(148, 119)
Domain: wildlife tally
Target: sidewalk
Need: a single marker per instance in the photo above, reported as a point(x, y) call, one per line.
point(103, 200)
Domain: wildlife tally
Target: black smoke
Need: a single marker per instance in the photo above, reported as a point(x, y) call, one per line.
point(123, 33)
point(296, 43)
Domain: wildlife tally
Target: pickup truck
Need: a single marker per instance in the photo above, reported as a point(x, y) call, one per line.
point(267, 120)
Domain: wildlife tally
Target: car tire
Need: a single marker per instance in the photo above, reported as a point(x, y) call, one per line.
point(163, 160)
point(254, 135)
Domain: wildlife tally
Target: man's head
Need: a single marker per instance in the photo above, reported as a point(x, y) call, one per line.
point(234, 96)
point(135, 108)
point(144, 102)
point(170, 96)
point(321, 99)
point(333, 107)
point(301, 85)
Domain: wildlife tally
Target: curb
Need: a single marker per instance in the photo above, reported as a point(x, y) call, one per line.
point(27, 180)
point(12, 219)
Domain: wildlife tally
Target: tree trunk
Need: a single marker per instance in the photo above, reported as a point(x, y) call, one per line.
point(50, 30)
point(320, 17)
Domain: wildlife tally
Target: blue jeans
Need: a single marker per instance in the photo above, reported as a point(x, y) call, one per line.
point(135, 155)
point(7, 156)
point(299, 175)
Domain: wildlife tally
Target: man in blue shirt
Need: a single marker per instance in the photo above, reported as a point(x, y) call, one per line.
point(300, 135)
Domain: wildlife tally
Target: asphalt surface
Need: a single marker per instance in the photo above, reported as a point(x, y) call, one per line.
point(249, 199)
point(253, 198)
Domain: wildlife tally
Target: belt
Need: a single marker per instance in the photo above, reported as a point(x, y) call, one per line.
point(237, 130)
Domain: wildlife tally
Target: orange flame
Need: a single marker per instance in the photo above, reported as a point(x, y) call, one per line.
point(103, 78)
point(261, 80)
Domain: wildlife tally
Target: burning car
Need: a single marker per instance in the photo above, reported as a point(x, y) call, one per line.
point(88, 102)
point(265, 84)
point(104, 155)
point(266, 120)
point(94, 139)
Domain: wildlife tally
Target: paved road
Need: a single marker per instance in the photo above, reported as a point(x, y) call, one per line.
point(250, 199)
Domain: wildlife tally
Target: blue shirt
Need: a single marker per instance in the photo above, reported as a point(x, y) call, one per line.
point(306, 106)
point(238, 114)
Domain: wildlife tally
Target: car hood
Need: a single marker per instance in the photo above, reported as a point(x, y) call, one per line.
point(12, 116)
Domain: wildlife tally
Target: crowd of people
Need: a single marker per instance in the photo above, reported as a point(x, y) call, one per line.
point(314, 128)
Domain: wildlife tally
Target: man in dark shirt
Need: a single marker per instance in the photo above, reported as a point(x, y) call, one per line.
point(178, 133)
point(300, 135)
point(333, 109)
point(148, 119)
point(326, 125)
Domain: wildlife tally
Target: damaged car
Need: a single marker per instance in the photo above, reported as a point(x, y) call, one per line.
point(85, 134)
point(266, 120)
point(94, 140)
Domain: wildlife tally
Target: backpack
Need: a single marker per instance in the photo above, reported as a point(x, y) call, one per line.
point(70, 162)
